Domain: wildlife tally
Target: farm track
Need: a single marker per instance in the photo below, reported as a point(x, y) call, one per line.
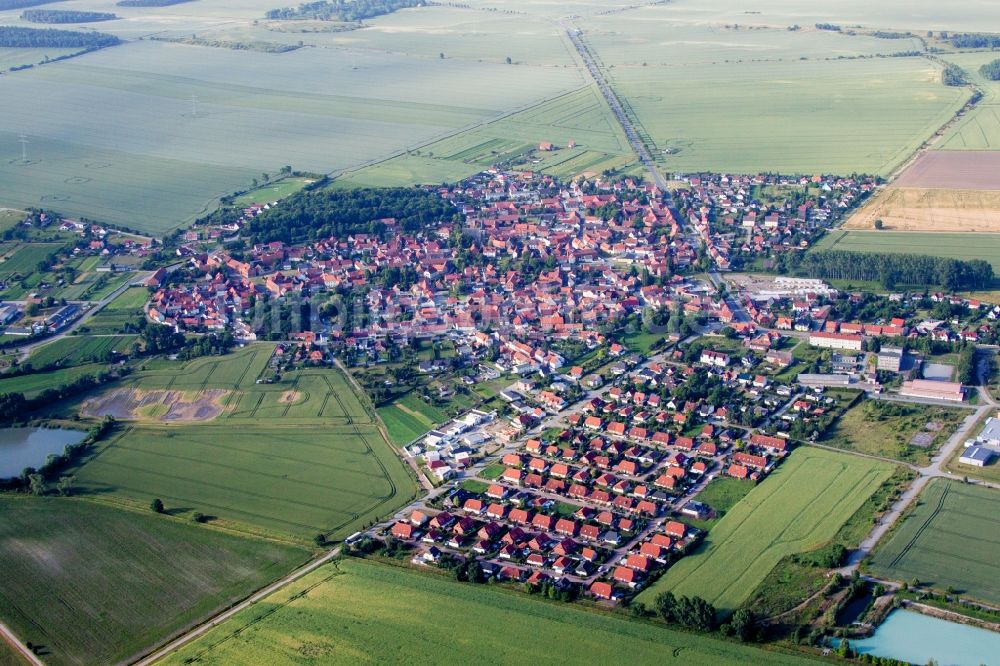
point(916, 536)
point(343, 408)
point(15, 643)
point(272, 610)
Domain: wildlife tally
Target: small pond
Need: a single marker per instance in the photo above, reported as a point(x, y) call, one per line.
point(29, 447)
point(917, 638)
point(852, 611)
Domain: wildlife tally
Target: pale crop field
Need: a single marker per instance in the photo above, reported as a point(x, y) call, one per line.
point(11, 57)
point(916, 15)
point(181, 19)
point(182, 125)
point(792, 117)
point(798, 508)
point(653, 35)
point(459, 32)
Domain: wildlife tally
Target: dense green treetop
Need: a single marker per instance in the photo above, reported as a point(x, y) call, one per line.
point(311, 215)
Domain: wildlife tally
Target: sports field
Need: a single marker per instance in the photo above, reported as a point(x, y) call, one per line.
point(95, 584)
point(952, 245)
point(292, 459)
point(797, 509)
point(355, 611)
point(949, 540)
point(811, 116)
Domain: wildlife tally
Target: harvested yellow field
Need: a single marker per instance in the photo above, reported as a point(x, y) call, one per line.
point(930, 209)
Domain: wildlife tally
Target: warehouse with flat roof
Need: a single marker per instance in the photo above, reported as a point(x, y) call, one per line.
point(933, 390)
point(978, 456)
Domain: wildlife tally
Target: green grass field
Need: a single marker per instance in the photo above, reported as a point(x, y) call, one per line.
point(722, 494)
point(9, 217)
point(272, 192)
point(355, 611)
point(885, 429)
point(293, 458)
point(797, 509)
point(790, 116)
point(979, 129)
point(32, 385)
point(948, 540)
point(96, 584)
point(581, 115)
point(950, 245)
point(24, 259)
point(643, 342)
point(410, 417)
point(403, 427)
point(75, 350)
point(112, 317)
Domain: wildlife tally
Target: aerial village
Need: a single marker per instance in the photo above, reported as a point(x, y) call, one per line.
point(585, 480)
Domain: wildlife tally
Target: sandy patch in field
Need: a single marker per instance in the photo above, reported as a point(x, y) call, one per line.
point(39, 551)
point(168, 406)
point(925, 209)
point(289, 397)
